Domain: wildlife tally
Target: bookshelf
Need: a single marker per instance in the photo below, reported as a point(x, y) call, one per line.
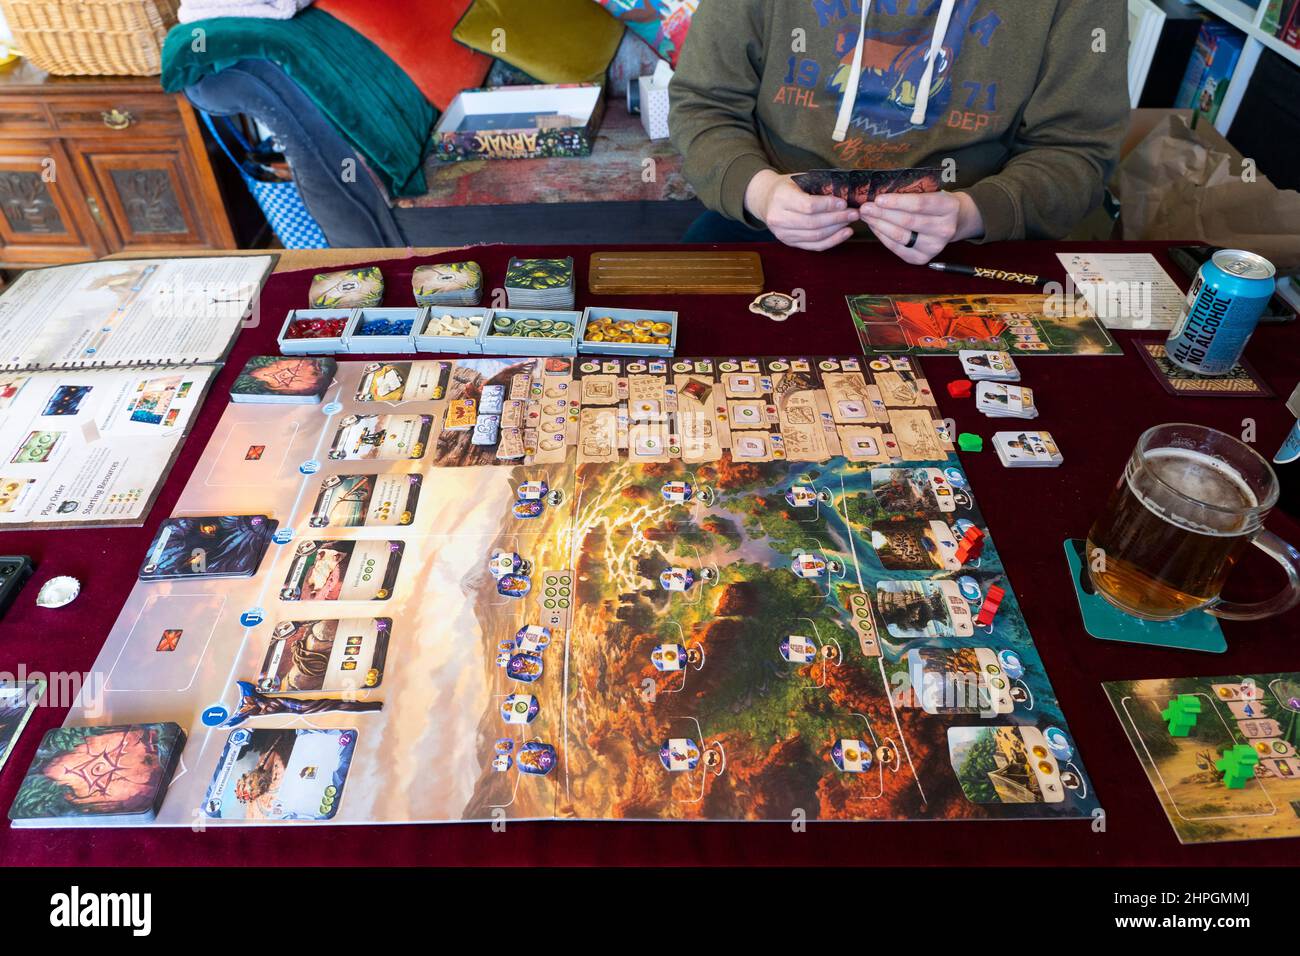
point(1246, 19)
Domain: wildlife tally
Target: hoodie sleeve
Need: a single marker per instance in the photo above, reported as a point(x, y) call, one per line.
point(1069, 139)
point(712, 103)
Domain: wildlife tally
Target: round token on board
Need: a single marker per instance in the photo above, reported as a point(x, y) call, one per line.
point(777, 306)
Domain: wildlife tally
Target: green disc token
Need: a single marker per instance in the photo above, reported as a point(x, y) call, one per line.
point(564, 603)
point(549, 603)
point(331, 790)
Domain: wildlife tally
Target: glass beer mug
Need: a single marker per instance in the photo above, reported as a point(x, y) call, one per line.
point(1190, 502)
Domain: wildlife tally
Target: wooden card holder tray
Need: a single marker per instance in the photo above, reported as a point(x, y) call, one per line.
point(675, 273)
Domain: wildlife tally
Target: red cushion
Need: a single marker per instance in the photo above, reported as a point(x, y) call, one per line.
point(416, 34)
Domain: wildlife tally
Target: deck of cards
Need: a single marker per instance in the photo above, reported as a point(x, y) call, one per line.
point(989, 366)
point(999, 400)
point(540, 284)
point(1027, 450)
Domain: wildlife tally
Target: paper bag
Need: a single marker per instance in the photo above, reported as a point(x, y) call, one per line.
point(1186, 184)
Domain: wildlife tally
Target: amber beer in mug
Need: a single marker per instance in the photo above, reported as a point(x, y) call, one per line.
point(1190, 502)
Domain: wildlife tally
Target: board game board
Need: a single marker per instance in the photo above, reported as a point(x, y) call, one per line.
point(1257, 712)
point(723, 589)
point(1021, 323)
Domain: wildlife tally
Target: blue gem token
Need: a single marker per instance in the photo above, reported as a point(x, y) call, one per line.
point(309, 467)
point(282, 536)
point(252, 617)
point(214, 716)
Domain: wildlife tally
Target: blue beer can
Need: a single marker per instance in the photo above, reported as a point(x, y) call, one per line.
point(1227, 299)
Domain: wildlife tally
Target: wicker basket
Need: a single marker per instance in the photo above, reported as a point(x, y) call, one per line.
point(92, 37)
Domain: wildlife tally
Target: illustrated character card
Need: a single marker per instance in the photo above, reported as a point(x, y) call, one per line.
point(858, 187)
point(1007, 765)
point(281, 775)
point(342, 571)
point(381, 438)
point(403, 382)
point(201, 548)
point(923, 609)
point(959, 681)
point(350, 501)
point(915, 545)
point(336, 656)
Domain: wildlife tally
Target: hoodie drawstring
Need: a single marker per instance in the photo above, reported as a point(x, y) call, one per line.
point(936, 41)
point(855, 76)
point(923, 89)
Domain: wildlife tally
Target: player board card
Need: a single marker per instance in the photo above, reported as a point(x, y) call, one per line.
point(325, 655)
point(343, 571)
point(1027, 450)
point(1242, 382)
point(959, 681)
point(372, 501)
point(381, 438)
point(989, 366)
point(915, 545)
point(208, 547)
point(281, 775)
point(913, 609)
point(917, 435)
point(858, 187)
point(913, 491)
point(1000, 400)
point(98, 776)
point(1232, 772)
point(18, 699)
point(1007, 765)
point(403, 382)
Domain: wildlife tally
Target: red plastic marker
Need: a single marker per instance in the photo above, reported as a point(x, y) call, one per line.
point(960, 388)
point(990, 608)
point(971, 545)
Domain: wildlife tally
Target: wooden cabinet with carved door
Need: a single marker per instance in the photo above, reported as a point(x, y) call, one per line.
point(96, 165)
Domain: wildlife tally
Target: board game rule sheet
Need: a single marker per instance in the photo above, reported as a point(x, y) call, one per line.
point(679, 589)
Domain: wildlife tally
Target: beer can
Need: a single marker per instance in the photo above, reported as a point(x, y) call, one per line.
point(1227, 299)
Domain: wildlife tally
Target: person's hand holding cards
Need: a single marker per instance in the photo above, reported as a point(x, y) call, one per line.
point(796, 217)
point(905, 208)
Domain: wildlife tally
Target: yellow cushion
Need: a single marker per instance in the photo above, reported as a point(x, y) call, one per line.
point(559, 41)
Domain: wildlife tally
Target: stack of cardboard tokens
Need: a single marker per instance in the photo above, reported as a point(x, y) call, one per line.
point(540, 284)
point(450, 283)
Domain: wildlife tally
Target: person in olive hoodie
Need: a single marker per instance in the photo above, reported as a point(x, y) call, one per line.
point(1021, 103)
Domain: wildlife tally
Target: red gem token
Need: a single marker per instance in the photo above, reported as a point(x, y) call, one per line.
point(960, 388)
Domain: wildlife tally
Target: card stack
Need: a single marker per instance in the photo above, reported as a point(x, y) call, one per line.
point(999, 400)
point(540, 284)
point(98, 776)
point(989, 366)
point(283, 380)
point(1027, 450)
point(448, 284)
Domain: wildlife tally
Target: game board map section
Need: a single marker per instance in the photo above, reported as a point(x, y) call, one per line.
point(719, 588)
point(1019, 323)
point(1258, 712)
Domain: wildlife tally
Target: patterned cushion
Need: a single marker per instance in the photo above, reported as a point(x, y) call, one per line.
point(661, 23)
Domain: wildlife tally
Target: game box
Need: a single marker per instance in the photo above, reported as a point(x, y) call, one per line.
point(520, 122)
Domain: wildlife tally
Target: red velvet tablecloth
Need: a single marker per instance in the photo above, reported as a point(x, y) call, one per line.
point(1096, 408)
